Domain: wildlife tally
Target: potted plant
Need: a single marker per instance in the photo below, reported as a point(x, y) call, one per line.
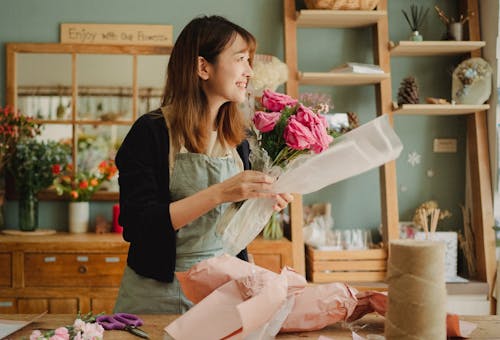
point(32, 168)
point(80, 186)
point(14, 126)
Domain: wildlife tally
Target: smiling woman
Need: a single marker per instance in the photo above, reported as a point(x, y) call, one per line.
point(182, 164)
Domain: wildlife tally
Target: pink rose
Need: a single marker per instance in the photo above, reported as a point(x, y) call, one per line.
point(274, 101)
point(322, 138)
point(35, 335)
point(297, 136)
point(265, 121)
point(306, 116)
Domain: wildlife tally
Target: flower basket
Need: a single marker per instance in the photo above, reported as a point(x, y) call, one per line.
point(365, 5)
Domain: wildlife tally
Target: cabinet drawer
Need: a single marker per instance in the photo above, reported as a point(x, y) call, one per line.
point(268, 261)
point(5, 270)
point(77, 270)
point(8, 305)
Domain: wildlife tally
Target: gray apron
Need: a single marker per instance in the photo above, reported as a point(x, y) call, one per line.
point(195, 242)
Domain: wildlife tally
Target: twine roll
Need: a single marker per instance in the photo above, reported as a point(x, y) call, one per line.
point(417, 291)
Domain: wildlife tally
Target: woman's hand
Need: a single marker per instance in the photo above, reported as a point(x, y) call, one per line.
point(282, 201)
point(245, 185)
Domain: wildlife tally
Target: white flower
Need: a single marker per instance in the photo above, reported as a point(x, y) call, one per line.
point(269, 73)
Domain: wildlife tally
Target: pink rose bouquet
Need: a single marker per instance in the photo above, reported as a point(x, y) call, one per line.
point(85, 327)
point(288, 128)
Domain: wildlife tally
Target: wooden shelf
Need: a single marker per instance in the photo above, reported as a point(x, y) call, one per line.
point(337, 19)
point(101, 195)
point(440, 109)
point(433, 48)
point(340, 79)
point(83, 121)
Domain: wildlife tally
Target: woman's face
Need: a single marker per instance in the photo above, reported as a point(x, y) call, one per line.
point(228, 76)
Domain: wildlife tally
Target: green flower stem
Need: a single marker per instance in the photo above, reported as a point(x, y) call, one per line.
point(286, 155)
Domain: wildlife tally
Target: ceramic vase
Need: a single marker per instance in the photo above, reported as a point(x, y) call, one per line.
point(450, 239)
point(78, 217)
point(28, 210)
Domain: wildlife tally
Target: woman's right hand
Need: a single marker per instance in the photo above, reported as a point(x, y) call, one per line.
point(245, 185)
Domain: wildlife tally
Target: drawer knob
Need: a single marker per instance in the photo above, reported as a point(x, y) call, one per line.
point(6, 304)
point(82, 269)
point(49, 259)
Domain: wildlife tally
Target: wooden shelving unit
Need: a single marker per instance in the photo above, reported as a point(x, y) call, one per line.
point(433, 48)
point(478, 192)
point(337, 19)
point(340, 79)
point(439, 109)
point(377, 20)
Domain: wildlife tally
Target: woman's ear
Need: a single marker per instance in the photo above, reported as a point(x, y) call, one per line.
point(203, 68)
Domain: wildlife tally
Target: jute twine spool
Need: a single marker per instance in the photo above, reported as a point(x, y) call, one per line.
point(417, 291)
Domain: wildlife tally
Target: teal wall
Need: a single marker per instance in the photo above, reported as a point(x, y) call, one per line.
point(356, 201)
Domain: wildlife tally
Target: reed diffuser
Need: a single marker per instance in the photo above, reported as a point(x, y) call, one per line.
point(415, 20)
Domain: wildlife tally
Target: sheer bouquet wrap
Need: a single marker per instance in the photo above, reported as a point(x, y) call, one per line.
point(295, 146)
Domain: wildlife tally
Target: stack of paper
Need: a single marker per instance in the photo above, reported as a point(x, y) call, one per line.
point(357, 68)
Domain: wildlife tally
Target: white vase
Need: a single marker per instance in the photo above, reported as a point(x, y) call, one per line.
point(78, 217)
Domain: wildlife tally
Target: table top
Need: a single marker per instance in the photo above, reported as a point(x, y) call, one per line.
point(488, 327)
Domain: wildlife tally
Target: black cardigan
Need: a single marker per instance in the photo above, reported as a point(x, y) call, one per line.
point(143, 165)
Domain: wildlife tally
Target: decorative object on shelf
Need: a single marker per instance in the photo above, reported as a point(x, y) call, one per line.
point(84, 327)
point(454, 28)
point(471, 82)
point(426, 210)
point(342, 4)
point(268, 73)
point(432, 100)
point(351, 67)
point(33, 168)
point(467, 241)
point(414, 158)
point(80, 186)
point(102, 225)
point(317, 101)
point(415, 20)
point(78, 216)
point(408, 91)
point(273, 229)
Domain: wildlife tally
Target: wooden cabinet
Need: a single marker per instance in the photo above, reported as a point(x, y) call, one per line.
point(61, 273)
point(67, 273)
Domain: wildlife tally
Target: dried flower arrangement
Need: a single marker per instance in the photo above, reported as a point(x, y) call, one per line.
point(268, 73)
point(449, 20)
point(426, 210)
point(466, 242)
point(472, 70)
point(469, 72)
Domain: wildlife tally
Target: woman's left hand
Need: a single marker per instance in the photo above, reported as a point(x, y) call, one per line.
point(282, 201)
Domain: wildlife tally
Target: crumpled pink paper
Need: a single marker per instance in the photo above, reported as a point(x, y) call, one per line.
point(252, 298)
point(235, 299)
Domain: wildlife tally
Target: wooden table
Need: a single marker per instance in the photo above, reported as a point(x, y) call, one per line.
point(488, 327)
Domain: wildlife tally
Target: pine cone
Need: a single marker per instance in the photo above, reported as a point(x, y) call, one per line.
point(408, 91)
point(353, 120)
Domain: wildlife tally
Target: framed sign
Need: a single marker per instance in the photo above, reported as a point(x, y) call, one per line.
point(151, 35)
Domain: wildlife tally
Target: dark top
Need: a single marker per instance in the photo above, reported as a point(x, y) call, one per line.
point(143, 165)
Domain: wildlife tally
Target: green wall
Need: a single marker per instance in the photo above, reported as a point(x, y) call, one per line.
point(356, 201)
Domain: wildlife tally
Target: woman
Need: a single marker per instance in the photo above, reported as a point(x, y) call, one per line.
point(180, 165)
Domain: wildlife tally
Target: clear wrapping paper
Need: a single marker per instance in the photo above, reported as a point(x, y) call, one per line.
point(366, 147)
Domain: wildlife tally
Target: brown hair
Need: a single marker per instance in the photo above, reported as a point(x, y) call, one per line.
point(187, 103)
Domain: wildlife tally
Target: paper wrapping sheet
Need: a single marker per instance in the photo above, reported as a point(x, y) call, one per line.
point(359, 150)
